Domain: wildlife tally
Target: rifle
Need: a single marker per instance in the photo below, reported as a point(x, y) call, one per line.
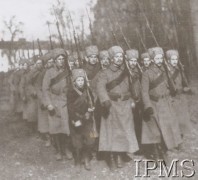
point(75, 40)
point(28, 53)
point(61, 41)
point(180, 65)
point(112, 32)
point(130, 75)
point(141, 40)
point(90, 28)
point(39, 46)
point(166, 66)
point(127, 43)
point(33, 48)
point(58, 29)
point(50, 36)
point(94, 132)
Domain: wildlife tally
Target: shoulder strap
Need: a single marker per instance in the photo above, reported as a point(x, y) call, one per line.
point(157, 81)
point(175, 74)
point(35, 77)
point(112, 84)
point(59, 77)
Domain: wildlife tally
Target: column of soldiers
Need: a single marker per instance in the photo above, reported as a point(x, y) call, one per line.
point(103, 103)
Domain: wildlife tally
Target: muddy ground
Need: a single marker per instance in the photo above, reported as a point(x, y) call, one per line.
point(23, 156)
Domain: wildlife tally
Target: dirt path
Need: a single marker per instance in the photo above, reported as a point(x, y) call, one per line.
point(23, 156)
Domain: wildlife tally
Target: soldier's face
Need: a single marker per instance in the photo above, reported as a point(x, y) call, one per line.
point(71, 63)
point(60, 61)
point(39, 64)
point(173, 60)
point(31, 67)
point(93, 59)
point(105, 61)
point(77, 63)
point(79, 82)
point(20, 66)
point(50, 63)
point(132, 62)
point(146, 62)
point(118, 59)
point(158, 59)
point(25, 66)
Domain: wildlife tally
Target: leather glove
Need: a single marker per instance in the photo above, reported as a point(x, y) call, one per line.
point(43, 107)
point(148, 111)
point(107, 104)
point(106, 108)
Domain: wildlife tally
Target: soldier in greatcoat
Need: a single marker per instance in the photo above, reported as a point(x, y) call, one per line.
point(146, 61)
point(132, 57)
point(43, 122)
point(81, 118)
point(29, 97)
point(16, 82)
point(92, 65)
point(160, 127)
point(117, 133)
point(22, 88)
point(55, 85)
point(180, 102)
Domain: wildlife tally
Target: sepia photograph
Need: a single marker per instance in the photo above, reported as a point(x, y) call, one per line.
point(98, 89)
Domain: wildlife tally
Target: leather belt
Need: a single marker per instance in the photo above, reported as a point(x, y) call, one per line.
point(119, 97)
point(156, 98)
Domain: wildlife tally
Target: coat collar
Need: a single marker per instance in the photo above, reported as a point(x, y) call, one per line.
point(116, 68)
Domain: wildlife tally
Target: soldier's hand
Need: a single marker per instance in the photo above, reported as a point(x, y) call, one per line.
point(107, 104)
point(106, 108)
point(133, 105)
point(50, 107)
point(87, 115)
point(77, 123)
point(148, 111)
point(91, 109)
point(188, 91)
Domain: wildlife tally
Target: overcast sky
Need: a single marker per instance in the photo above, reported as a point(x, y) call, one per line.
point(34, 14)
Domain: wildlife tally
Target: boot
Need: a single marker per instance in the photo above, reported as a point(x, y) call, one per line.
point(59, 156)
point(156, 152)
point(119, 161)
point(68, 154)
point(111, 161)
point(87, 163)
point(58, 145)
point(48, 143)
point(162, 153)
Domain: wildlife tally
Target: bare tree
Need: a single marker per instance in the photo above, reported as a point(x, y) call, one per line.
point(14, 28)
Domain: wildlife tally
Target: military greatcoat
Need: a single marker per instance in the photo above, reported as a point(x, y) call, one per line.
point(180, 103)
point(160, 100)
point(55, 94)
point(117, 131)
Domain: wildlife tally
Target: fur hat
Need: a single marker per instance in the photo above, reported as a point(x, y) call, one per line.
point(145, 55)
point(114, 50)
point(103, 54)
point(132, 53)
point(77, 73)
point(57, 52)
point(157, 50)
point(172, 52)
point(91, 50)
